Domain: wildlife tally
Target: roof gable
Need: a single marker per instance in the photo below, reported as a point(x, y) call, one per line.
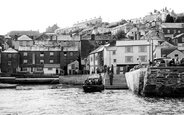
point(10, 50)
point(99, 49)
point(166, 44)
point(24, 37)
point(175, 52)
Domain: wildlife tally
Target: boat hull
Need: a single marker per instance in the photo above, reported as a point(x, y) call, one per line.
point(7, 86)
point(93, 88)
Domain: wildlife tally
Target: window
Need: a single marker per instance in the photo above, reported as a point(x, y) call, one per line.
point(142, 49)
point(9, 62)
point(182, 39)
point(71, 53)
point(114, 60)
point(14, 55)
point(24, 61)
point(174, 31)
point(143, 58)
point(25, 54)
point(65, 53)
point(50, 69)
point(39, 69)
point(9, 55)
point(128, 58)
point(176, 55)
point(91, 58)
point(168, 31)
point(51, 61)
point(121, 68)
point(113, 52)
point(96, 57)
point(28, 43)
point(179, 31)
point(24, 69)
point(41, 61)
point(21, 43)
point(51, 53)
point(41, 54)
point(128, 49)
point(73, 66)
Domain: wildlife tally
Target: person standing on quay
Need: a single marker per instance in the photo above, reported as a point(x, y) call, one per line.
point(111, 75)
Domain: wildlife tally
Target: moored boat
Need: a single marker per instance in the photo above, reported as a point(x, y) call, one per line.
point(7, 86)
point(93, 88)
point(94, 84)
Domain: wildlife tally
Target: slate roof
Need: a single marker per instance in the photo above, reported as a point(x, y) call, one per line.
point(99, 49)
point(172, 25)
point(30, 33)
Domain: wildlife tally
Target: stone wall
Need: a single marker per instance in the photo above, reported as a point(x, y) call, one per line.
point(163, 81)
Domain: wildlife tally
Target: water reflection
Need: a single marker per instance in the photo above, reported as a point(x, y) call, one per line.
point(41, 100)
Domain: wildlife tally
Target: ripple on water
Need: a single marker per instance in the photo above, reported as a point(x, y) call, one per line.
point(41, 100)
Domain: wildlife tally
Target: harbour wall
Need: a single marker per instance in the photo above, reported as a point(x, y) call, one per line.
point(157, 81)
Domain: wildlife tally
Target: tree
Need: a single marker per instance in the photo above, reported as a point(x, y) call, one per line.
point(120, 35)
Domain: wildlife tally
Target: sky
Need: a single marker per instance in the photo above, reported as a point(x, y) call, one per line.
point(39, 14)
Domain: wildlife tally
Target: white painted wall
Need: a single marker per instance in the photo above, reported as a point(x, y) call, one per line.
point(47, 71)
point(92, 61)
point(120, 52)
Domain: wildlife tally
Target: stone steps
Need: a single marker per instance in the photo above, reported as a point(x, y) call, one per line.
point(119, 82)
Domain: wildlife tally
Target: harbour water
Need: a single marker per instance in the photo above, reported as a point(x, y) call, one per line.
point(43, 100)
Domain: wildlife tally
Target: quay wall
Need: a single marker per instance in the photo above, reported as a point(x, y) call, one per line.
point(157, 81)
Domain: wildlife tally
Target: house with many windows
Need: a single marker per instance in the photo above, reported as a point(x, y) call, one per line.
point(35, 59)
point(171, 31)
point(10, 63)
point(96, 58)
point(125, 27)
point(126, 53)
point(23, 40)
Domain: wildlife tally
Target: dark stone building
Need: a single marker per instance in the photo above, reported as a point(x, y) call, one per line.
point(10, 61)
point(46, 60)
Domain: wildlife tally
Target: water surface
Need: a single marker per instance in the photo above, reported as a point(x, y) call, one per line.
point(42, 100)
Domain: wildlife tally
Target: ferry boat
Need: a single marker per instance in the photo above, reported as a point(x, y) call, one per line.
point(94, 84)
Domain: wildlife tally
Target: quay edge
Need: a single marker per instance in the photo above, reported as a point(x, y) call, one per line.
point(157, 81)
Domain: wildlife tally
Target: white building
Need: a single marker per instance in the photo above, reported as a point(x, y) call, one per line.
point(126, 53)
point(97, 58)
point(125, 27)
point(73, 68)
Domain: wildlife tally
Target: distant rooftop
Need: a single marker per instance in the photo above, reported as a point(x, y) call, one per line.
point(24, 37)
point(30, 33)
point(172, 25)
point(10, 50)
